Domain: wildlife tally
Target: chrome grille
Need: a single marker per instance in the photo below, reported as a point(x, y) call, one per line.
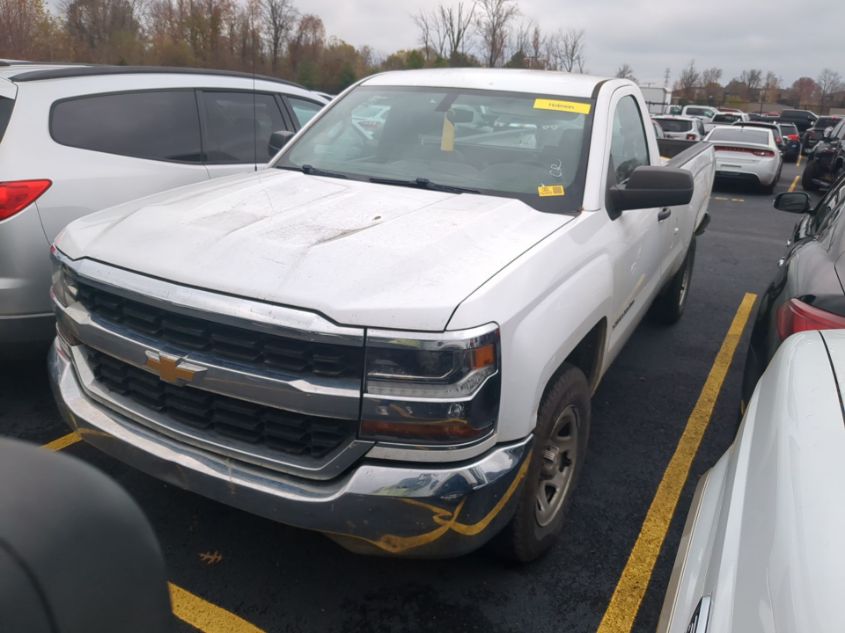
point(279, 430)
point(188, 333)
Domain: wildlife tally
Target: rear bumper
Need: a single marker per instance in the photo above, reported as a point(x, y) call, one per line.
point(376, 507)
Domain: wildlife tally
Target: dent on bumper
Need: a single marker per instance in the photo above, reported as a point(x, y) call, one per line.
point(374, 508)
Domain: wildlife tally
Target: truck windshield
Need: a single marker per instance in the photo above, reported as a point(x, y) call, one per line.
point(514, 145)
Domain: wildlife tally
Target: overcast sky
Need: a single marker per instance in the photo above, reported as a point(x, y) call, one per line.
point(650, 35)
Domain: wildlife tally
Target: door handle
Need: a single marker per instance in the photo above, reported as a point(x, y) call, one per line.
point(665, 212)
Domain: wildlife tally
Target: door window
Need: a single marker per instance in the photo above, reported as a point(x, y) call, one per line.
point(628, 148)
point(238, 126)
point(157, 124)
point(303, 110)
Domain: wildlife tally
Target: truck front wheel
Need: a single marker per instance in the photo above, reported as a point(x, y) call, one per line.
point(560, 442)
point(670, 303)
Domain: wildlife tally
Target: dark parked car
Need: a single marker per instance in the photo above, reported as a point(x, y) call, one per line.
point(804, 119)
point(791, 141)
point(806, 293)
point(826, 163)
point(816, 133)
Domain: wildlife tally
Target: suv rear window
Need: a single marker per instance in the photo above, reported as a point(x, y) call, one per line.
point(674, 125)
point(5, 114)
point(154, 124)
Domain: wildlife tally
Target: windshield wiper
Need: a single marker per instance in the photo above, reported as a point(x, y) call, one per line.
point(310, 170)
point(422, 183)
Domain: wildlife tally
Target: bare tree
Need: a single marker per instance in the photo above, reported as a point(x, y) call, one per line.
point(753, 78)
point(626, 72)
point(771, 87)
point(689, 80)
point(711, 75)
point(828, 81)
point(456, 23)
point(279, 17)
point(493, 23)
point(432, 33)
point(566, 50)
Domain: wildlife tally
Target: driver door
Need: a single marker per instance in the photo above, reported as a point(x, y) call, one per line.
point(643, 236)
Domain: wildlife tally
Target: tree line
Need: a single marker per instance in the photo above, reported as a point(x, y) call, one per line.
point(275, 37)
point(753, 86)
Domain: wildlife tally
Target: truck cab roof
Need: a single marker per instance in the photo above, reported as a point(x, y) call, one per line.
point(505, 79)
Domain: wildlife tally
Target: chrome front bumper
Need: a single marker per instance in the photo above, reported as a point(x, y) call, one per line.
point(380, 508)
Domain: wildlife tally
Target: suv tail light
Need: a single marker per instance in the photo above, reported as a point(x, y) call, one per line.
point(17, 195)
point(691, 137)
point(797, 316)
point(793, 137)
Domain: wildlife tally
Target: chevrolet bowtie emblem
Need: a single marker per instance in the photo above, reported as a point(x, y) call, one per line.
point(172, 369)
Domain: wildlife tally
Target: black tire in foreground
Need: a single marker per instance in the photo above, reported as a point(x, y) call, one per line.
point(669, 305)
point(560, 444)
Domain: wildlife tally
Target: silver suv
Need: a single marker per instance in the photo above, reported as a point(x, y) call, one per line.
point(77, 139)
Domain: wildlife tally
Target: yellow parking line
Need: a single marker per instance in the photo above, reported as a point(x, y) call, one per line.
point(189, 608)
point(798, 162)
point(205, 616)
point(794, 183)
point(63, 442)
point(628, 595)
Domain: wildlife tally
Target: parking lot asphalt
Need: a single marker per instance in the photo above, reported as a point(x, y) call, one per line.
point(238, 572)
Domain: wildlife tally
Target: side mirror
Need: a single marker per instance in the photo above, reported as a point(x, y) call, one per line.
point(278, 140)
point(793, 202)
point(652, 187)
point(77, 553)
point(828, 132)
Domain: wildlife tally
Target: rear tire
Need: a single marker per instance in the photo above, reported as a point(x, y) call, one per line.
point(669, 305)
point(560, 444)
point(807, 178)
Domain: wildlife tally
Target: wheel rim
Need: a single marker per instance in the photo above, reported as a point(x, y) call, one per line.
point(682, 295)
point(560, 455)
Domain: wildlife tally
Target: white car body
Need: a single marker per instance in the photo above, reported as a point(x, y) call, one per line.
point(703, 112)
point(763, 540)
point(746, 153)
point(85, 180)
point(367, 256)
point(687, 128)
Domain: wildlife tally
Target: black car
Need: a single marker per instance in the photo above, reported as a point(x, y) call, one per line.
point(826, 162)
point(791, 141)
point(807, 293)
point(804, 119)
point(816, 133)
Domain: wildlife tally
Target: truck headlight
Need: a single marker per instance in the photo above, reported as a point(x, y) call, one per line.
point(64, 287)
point(431, 388)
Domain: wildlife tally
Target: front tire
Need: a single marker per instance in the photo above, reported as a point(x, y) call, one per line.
point(560, 444)
point(669, 305)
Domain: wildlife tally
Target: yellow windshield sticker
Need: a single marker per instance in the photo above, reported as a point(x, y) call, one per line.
point(447, 139)
point(545, 191)
point(562, 106)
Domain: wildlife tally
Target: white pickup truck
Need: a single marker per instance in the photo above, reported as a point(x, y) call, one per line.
point(390, 337)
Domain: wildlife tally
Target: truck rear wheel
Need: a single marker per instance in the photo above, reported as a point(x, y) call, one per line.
point(560, 443)
point(669, 305)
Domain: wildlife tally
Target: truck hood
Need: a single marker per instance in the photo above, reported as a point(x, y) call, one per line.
point(356, 252)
